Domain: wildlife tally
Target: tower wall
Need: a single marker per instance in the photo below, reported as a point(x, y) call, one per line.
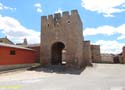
point(66, 29)
point(95, 52)
point(87, 52)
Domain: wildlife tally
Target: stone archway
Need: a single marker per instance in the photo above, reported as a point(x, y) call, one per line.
point(116, 59)
point(56, 53)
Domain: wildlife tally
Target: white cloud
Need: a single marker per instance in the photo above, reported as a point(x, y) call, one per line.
point(3, 7)
point(124, 5)
point(15, 31)
point(106, 30)
point(110, 46)
point(121, 31)
point(106, 7)
point(39, 10)
point(58, 11)
point(38, 7)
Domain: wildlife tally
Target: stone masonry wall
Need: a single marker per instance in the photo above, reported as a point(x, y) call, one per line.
point(87, 52)
point(123, 54)
point(95, 52)
point(67, 29)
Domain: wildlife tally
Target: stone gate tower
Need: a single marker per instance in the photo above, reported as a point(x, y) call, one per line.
point(62, 39)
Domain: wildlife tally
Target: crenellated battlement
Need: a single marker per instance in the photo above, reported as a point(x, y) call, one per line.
point(57, 17)
point(65, 14)
point(74, 12)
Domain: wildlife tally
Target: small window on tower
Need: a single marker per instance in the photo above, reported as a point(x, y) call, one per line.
point(12, 52)
point(48, 25)
point(68, 22)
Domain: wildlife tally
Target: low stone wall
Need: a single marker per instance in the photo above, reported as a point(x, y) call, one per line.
point(17, 66)
point(107, 58)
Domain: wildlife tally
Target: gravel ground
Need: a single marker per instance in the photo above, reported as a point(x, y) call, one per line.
point(98, 77)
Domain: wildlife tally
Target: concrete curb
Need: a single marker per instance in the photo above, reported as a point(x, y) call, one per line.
point(13, 70)
point(10, 68)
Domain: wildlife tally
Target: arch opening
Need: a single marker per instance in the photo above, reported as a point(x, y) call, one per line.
point(116, 59)
point(57, 53)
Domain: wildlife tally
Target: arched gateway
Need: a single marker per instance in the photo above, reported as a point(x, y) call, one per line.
point(56, 53)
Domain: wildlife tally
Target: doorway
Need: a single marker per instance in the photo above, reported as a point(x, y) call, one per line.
point(116, 59)
point(56, 53)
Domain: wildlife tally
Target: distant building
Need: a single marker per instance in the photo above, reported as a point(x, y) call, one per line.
point(13, 54)
point(24, 44)
point(107, 58)
point(6, 41)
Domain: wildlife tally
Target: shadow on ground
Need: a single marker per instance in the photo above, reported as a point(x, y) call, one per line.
point(60, 69)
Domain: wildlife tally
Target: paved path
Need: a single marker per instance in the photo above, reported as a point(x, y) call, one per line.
point(99, 77)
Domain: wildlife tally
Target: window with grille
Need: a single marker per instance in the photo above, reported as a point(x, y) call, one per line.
point(12, 52)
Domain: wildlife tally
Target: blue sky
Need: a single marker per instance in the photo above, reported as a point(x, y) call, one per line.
point(103, 20)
